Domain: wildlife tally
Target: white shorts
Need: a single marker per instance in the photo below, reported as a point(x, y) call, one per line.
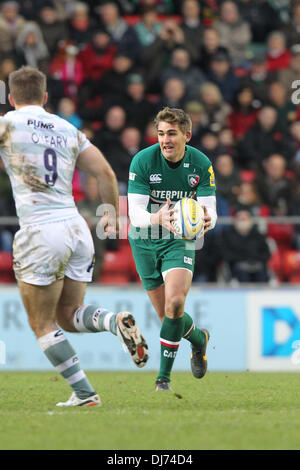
point(44, 253)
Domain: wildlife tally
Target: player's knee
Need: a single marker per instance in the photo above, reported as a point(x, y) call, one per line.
point(175, 306)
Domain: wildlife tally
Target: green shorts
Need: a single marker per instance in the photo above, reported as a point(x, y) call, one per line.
point(154, 257)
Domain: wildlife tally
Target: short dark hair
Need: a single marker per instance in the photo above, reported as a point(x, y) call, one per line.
point(27, 85)
point(174, 115)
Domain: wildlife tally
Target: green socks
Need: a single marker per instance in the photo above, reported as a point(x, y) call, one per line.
point(170, 335)
point(172, 330)
point(63, 357)
point(193, 334)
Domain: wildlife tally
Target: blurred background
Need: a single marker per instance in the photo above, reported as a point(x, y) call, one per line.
point(233, 66)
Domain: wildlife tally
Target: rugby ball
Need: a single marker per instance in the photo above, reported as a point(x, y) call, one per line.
point(188, 218)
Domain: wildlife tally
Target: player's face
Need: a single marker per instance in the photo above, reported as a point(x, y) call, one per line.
point(172, 141)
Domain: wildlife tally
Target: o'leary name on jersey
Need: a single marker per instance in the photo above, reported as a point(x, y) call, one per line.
point(39, 151)
point(151, 175)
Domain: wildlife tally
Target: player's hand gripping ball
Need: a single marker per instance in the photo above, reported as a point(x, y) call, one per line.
point(188, 220)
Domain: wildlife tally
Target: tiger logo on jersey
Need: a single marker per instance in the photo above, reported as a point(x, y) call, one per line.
point(193, 180)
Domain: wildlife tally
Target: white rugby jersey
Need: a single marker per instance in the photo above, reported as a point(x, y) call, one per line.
point(39, 151)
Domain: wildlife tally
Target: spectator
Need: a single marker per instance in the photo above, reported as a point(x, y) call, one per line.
point(148, 27)
point(7, 65)
point(182, 68)
point(263, 139)
point(258, 79)
point(291, 29)
point(173, 95)
point(158, 53)
point(194, 109)
point(138, 108)
point(80, 24)
point(88, 208)
point(53, 29)
point(31, 45)
point(227, 141)
point(221, 73)
point(228, 178)
point(67, 110)
point(209, 47)
point(286, 110)
point(11, 24)
point(67, 68)
point(114, 80)
point(245, 250)
point(244, 112)
point(274, 187)
point(248, 197)
point(235, 33)
point(123, 35)
point(278, 56)
point(191, 22)
point(288, 75)
point(113, 124)
point(215, 110)
point(294, 131)
point(97, 56)
point(261, 17)
point(210, 145)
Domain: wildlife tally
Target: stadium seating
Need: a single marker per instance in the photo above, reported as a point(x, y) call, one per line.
point(118, 266)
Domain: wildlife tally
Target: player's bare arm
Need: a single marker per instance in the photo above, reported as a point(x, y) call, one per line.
point(93, 162)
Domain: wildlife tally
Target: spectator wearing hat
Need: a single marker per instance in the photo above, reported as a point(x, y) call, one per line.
point(221, 73)
point(31, 45)
point(288, 75)
point(235, 33)
point(53, 29)
point(11, 24)
point(122, 34)
point(138, 108)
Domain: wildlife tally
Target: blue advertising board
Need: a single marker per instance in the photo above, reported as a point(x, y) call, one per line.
point(221, 311)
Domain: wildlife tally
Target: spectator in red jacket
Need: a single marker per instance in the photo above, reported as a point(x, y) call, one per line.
point(278, 56)
point(98, 55)
point(244, 112)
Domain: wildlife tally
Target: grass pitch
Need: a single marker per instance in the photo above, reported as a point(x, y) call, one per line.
point(229, 411)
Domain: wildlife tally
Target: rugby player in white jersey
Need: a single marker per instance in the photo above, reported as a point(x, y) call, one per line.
point(53, 250)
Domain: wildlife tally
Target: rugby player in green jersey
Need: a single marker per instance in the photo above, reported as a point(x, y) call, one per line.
point(159, 176)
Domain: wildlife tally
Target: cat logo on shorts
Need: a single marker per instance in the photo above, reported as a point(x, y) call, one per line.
point(193, 180)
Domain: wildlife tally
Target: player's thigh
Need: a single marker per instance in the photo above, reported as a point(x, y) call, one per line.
point(40, 303)
point(71, 298)
point(177, 284)
point(147, 261)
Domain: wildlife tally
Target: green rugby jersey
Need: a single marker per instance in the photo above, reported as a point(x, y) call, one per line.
point(150, 174)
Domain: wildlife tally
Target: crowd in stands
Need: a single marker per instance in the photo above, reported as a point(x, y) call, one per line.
point(234, 66)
